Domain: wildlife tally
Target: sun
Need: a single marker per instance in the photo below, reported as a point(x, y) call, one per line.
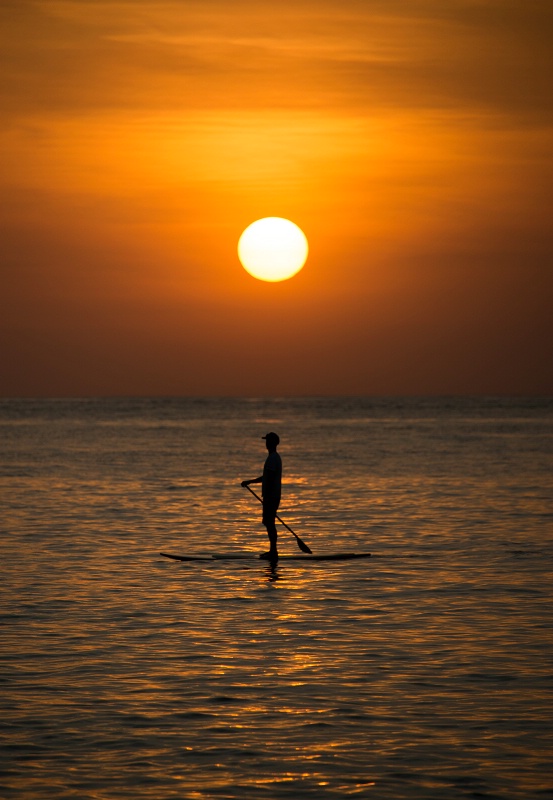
point(272, 249)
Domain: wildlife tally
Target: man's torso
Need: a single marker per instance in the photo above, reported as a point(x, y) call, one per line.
point(272, 477)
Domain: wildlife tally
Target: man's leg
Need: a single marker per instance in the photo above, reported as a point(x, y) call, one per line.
point(269, 515)
point(272, 534)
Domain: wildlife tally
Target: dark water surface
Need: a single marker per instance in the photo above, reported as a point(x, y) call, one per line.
point(424, 672)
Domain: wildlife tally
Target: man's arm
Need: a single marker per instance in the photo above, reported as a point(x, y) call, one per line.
point(253, 480)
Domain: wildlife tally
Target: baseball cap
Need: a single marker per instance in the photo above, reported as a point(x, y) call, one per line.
point(272, 437)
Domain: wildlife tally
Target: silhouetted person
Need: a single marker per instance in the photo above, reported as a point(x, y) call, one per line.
point(270, 489)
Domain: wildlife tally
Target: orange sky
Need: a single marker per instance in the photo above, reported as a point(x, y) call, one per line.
point(411, 141)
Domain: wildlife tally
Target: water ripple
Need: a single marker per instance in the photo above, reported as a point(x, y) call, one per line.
point(423, 673)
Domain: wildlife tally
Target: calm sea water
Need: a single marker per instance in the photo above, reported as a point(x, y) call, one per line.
point(424, 672)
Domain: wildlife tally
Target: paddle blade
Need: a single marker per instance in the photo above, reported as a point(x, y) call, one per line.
point(302, 545)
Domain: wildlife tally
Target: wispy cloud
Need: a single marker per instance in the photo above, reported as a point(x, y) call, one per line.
point(489, 55)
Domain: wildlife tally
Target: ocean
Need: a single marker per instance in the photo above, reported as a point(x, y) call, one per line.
point(422, 673)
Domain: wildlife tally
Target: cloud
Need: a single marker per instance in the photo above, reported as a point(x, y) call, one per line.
point(76, 55)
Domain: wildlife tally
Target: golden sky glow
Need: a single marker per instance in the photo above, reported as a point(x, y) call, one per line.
point(410, 141)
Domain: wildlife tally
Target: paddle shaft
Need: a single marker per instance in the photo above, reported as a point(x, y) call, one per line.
point(301, 544)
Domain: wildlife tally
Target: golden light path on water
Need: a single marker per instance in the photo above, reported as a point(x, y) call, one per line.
point(423, 672)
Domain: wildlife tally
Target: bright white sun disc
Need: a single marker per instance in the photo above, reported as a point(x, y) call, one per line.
point(272, 249)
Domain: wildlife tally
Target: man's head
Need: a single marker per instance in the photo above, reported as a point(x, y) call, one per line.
point(271, 440)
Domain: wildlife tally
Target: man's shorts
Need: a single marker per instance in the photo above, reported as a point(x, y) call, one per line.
point(270, 508)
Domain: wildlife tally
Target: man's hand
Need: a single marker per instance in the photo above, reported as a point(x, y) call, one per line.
point(244, 484)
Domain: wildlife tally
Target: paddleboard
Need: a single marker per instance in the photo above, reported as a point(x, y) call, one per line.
point(256, 557)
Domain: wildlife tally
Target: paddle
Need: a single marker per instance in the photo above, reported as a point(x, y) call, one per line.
point(301, 544)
